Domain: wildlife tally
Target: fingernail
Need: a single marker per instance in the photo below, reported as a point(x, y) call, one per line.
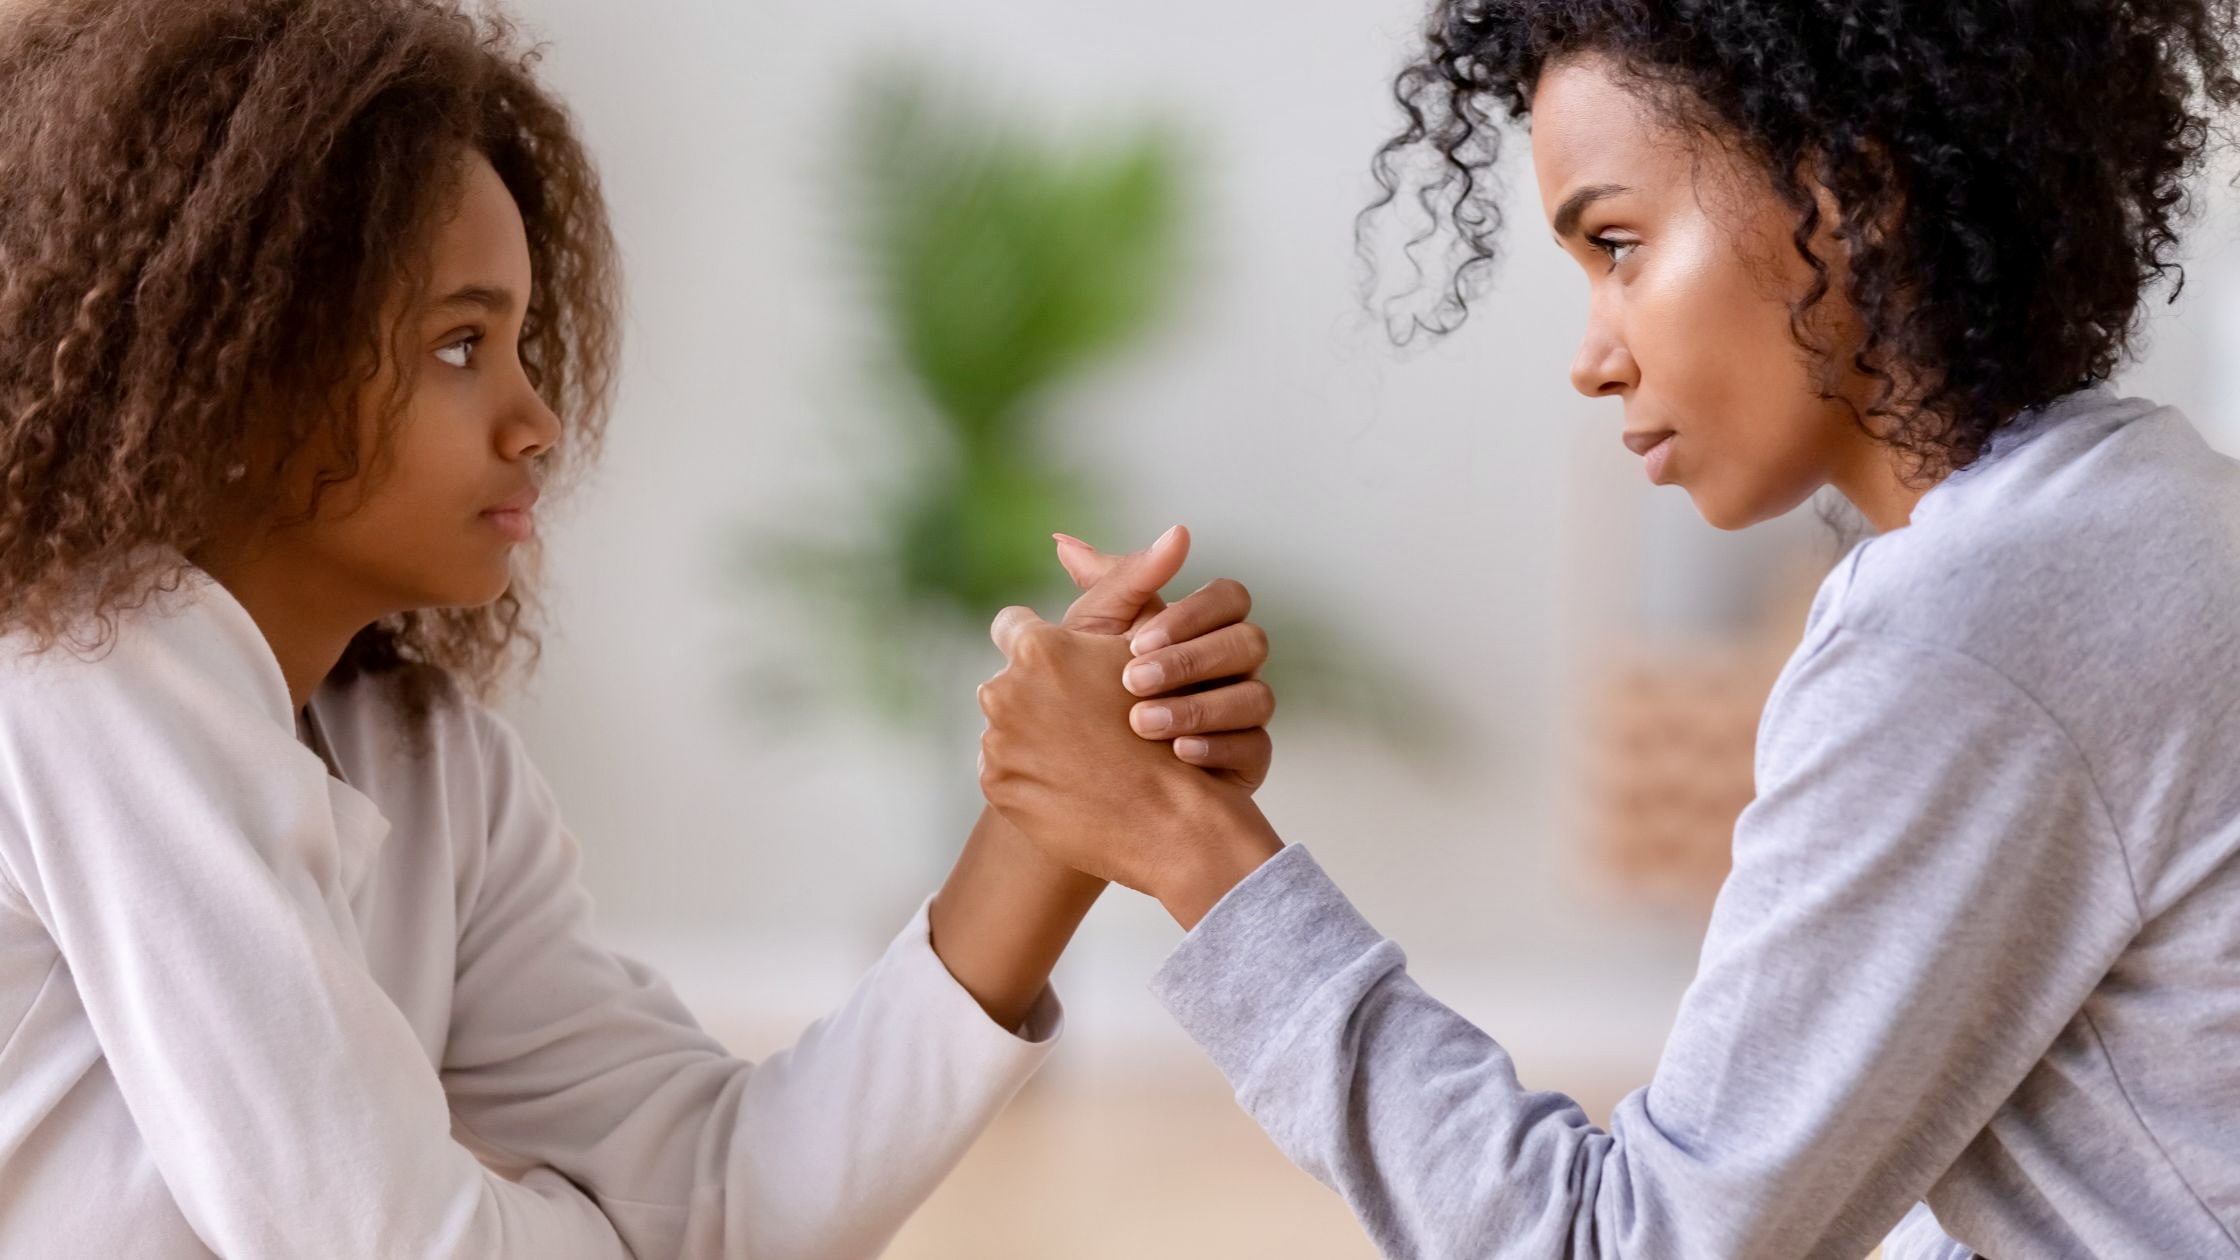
point(1149, 641)
point(1144, 677)
point(1190, 746)
point(1068, 540)
point(1152, 719)
point(1167, 537)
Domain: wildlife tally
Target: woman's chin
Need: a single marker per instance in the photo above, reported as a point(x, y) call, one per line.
point(1719, 511)
point(1726, 509)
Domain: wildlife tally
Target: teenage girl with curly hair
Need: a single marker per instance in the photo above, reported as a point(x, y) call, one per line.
point(301, 302)
point(1980, 948)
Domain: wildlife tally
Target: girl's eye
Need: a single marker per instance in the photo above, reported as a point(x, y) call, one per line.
point(459, 352)
point(1612, 247)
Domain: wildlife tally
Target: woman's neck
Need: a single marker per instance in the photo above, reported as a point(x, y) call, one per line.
point(1875, 478)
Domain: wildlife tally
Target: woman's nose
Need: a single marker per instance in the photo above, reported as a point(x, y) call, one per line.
point(1603, 365)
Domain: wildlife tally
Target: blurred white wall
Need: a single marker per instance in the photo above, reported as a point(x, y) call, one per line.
point(1461, 508)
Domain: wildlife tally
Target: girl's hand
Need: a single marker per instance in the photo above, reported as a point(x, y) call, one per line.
point(1196, 663)
point(1060, 761)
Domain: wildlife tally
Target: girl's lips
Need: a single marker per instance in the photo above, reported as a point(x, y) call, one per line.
point(517, 524)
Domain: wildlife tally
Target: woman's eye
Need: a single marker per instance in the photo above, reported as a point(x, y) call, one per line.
point(459, 352)
point(1612, 248)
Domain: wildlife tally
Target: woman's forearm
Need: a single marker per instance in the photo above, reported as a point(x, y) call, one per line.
point(1233, 839)
point(1005, 915)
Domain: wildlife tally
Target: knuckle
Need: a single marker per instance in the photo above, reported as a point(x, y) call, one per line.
point(1034, 645)
point(1181, 662)
point(1255, 641)
point(1189, 714)
point(994, 754)
point(1233, 592)
point(1262, 698)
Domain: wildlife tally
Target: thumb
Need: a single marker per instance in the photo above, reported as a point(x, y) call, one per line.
point(1083, 563)
point(1010, 624)
point(1128, 583)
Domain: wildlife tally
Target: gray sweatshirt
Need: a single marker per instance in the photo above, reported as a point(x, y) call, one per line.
point(1980, 946)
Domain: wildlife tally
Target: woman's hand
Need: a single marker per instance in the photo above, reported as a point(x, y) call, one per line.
point(1196, 663)
point(1008, 908)
point(1061, 762)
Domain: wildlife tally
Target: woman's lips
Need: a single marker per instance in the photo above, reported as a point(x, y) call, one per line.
point(1655, 449)
point(1658, 457)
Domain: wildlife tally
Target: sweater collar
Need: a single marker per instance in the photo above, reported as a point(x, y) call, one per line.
point(230, 647)
point(2025, 427)
point(213, 634)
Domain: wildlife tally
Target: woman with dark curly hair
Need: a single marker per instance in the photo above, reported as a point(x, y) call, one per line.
point(300, 303)
point(1975, 975)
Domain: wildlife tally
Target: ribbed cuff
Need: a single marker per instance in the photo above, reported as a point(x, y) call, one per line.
point(1238, 981)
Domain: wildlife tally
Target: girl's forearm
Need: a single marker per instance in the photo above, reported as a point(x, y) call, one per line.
point(1004, 916)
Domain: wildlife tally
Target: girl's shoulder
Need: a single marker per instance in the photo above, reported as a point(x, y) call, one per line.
point(440, 764)
point(392, 728)
point(186, 661)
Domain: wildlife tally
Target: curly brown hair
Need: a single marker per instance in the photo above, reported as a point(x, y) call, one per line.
point(209, 211)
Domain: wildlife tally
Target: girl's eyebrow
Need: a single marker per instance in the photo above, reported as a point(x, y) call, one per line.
point(1567, 217)
point(495, 299)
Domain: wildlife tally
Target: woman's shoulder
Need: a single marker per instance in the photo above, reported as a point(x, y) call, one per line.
point(2100, 544)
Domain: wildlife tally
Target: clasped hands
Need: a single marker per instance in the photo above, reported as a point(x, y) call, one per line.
point(1127, 740)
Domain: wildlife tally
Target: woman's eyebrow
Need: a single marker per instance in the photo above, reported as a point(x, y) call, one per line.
point(1567, 216)
point(492, 298)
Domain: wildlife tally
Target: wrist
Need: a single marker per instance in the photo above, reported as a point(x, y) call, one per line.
point(1028, 868)
point(1234, 841)
point(1004, 916)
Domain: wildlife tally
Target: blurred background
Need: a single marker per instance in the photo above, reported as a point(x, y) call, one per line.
point(911, 287)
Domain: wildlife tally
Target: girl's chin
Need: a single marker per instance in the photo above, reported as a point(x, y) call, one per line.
point(471, 586)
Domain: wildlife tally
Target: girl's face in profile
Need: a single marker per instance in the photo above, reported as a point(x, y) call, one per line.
point(1688, 258)
point(451, 492)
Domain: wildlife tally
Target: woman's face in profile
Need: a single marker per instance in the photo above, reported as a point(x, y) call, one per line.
point(1691, 272)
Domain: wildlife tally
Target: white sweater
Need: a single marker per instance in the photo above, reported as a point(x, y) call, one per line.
point(251, 1009)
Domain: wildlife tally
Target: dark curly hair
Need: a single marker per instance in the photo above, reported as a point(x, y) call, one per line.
point(209, 208)
point(2011, 174)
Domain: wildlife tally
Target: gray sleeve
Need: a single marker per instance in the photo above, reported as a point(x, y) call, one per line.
point(1919, 1237)
point(1923, 894)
